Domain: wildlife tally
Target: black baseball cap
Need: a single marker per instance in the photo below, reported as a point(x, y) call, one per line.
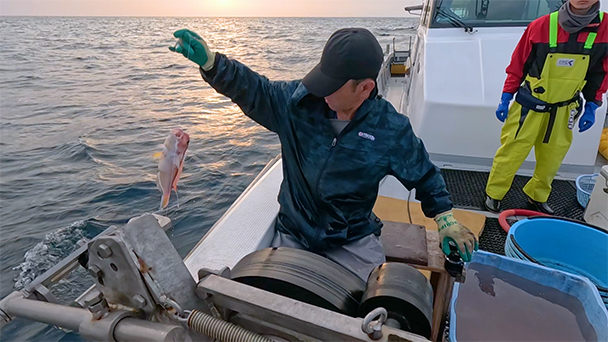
point(349, 54)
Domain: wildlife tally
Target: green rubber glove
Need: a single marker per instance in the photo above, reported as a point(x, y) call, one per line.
point(193, 47)
point(451, 230)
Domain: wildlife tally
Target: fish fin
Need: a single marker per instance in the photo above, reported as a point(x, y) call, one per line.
point(180, 168)
point(177, 175)
point(159, 154)
point(166, 196)
point(159, 185)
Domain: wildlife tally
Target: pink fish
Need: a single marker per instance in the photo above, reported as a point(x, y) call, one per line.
point(171, 163)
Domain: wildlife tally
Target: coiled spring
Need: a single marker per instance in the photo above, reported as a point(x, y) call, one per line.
point(221, 330)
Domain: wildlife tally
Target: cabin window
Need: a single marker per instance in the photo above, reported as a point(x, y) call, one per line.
point(490, 13)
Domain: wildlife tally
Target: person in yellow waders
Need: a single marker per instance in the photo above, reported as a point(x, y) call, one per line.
point(560, 57)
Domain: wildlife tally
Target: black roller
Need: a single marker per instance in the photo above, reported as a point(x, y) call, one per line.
point(303, 276)
point(405, 293)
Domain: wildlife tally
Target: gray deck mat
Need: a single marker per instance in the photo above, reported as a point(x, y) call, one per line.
point(468, 192)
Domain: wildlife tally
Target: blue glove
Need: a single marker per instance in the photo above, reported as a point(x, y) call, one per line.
point(588, 118)
point(503, 107)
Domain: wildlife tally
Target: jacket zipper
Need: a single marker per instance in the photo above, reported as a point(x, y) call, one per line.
point(334, 143)
point(323, 223)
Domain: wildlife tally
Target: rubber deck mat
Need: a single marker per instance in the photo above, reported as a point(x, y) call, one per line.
point(468, 192)
point(493, 237)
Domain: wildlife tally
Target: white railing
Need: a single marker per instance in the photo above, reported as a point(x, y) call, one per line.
point(385, 71)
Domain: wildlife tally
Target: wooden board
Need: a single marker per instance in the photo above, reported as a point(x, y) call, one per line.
point(392, 209)
point(404, 242)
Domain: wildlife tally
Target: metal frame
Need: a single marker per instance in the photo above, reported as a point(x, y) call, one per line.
point(168, 293)
point(297, 320)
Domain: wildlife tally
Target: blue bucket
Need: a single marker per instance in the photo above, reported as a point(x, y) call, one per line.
point(542, 278)
point(562, 244)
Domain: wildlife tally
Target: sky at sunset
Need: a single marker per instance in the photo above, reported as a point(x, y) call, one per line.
point(208, 8)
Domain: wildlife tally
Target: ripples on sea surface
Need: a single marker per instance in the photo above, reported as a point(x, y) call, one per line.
point(85, 102)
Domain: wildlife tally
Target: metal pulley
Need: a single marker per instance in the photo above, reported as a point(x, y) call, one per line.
point(405, 293)
point(303, 276)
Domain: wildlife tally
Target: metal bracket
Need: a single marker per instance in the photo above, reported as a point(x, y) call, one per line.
point(116, 276)
point(138, 267)
point(62, 269)
point(159, 265)
point(41, 292)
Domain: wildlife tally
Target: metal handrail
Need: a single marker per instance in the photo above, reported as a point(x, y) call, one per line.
point(410, 9)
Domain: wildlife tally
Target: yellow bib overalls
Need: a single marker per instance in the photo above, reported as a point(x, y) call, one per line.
point(542, 115)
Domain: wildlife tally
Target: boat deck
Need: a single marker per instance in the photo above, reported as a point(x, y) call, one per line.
point(467, 189)
point(396, 91)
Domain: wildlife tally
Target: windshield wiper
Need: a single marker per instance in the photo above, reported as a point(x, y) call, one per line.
point(455, 20)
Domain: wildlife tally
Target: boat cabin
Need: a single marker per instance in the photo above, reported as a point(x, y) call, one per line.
point(456, 71)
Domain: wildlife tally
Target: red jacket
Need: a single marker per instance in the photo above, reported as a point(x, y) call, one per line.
point(531, 51)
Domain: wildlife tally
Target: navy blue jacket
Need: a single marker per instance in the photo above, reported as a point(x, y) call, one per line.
point(330, 184)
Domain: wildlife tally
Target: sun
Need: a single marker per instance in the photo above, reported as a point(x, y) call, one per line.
point(224, 3)
point(216, 7)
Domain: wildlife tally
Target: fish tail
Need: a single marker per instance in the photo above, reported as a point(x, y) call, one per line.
point(165, 200)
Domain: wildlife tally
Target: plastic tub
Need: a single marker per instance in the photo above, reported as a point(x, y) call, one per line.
point(536, 303)
point(596, 212)
point(563, 244)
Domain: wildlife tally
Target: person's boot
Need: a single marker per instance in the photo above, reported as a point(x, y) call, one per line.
point(491, 204)
point(543, 207)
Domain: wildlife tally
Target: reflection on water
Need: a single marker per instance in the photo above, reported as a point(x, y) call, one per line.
point(85, 102)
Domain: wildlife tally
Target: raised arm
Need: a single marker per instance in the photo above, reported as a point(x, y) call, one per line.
point(262, 100)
